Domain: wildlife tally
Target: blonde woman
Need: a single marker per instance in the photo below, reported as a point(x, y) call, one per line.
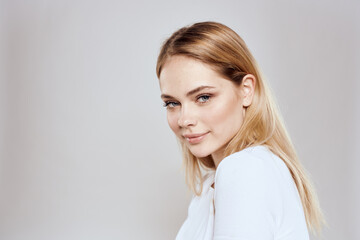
point(239, 161)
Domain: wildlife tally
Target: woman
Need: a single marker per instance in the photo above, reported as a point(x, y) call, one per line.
point(240, 163)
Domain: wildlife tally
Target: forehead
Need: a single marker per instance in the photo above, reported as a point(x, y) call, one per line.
point(181, 73)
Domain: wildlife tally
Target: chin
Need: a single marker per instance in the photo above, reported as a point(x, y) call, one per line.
point(199, 154)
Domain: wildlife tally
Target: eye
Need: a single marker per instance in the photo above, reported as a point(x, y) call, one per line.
point(203, 98)
point(170, 104)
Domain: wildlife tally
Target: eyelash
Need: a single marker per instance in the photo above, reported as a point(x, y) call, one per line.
point(208, 96)
point(167, 103)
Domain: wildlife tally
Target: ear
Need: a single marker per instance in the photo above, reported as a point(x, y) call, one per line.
point(248, 89)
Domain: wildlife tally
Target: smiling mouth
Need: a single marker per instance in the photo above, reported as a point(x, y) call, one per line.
point(195, 138)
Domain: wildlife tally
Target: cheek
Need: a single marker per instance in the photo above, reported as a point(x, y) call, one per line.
point(172, 121)
point(226, 116)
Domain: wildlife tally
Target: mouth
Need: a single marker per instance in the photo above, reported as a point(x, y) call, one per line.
point(195, 138)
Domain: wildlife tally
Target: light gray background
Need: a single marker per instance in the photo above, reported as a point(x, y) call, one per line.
point(85, 149)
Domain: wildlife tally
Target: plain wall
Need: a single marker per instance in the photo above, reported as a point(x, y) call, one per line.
point(3, 97)
point(85, 149)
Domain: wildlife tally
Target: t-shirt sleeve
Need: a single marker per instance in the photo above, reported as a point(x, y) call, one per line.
point(247, 199)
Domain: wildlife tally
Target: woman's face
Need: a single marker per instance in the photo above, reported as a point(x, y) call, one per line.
point(204, 109)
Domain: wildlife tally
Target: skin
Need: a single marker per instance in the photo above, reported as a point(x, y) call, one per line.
point(200, 101)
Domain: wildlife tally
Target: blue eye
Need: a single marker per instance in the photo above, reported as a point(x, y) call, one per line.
point(170, 104)
point(203, 98)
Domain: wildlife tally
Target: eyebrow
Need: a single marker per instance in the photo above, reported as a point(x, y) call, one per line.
point(198, 89)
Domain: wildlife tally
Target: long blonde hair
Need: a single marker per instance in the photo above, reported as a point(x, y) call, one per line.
point(219, 46)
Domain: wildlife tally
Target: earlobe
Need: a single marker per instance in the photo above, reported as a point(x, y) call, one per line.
point(248, 87)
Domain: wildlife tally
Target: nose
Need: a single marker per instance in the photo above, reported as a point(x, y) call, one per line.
point(186, 118)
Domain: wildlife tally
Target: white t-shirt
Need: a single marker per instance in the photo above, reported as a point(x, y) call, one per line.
point(255, 198)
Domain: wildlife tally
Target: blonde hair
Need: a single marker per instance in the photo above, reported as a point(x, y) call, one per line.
point(219, 46)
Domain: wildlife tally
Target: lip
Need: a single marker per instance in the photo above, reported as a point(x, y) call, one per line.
point(195, 138)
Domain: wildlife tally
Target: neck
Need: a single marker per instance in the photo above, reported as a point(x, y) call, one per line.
point(217, 157)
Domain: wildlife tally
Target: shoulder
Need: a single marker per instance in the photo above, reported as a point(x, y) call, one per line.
point(254, 189)
point(257, 159)
point(248, 194)
point(253, 167)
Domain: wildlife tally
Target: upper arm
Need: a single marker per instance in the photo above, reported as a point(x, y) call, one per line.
point(246, 199)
